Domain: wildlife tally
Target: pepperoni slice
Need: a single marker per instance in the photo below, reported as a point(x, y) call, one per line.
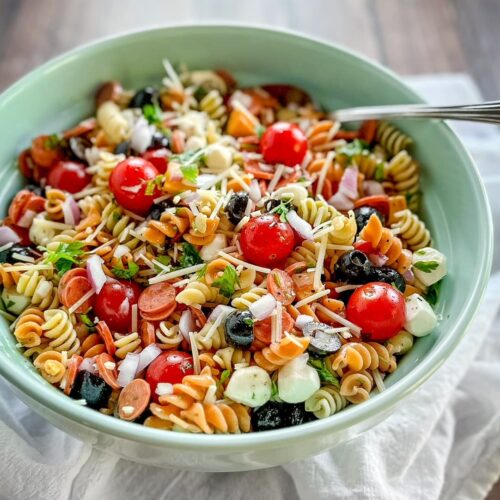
point(162, 314)
point(134, 399)
point(280, 285)
point(104, 331)
point(81, 129)
point(75, 289)
point(156, 298)
point(68, 275)
point(71, 372)
point(296, 267)
point(199, 316)
point(377, 201)
point(36, 203)
point(262, 329)
point(147, 333)
point(43, 154)
point(108, 373)
point(26, 164)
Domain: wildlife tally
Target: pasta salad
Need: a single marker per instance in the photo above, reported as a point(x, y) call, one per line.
point(208, 258)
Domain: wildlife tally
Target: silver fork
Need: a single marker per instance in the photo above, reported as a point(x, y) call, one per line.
point(487, 112)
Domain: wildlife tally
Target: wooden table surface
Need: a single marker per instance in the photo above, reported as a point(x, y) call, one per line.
point(409, 36)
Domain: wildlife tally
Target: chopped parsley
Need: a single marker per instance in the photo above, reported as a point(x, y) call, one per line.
point(116, 215)
point(354, 148)
point(189, 163)
point(190, 173)
point(274, 390)
point(228, 281)
point(202, 271)
point(154, 183)
point(65, 256)
point(126, 273)
point(190, 256)
point(225, 376)
point(260, 131)
point(324, 373)
point(162, 259)
point(432, 294)
point(379, 172)
point(85, 319)
point(426, 266)
point(53, 141)
point(282, 209)
point(248, 321)
point(153, 115)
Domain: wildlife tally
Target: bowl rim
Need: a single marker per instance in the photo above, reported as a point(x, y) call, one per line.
point(58, 402)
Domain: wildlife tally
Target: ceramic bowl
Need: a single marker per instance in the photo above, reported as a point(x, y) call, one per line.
point(455, 208)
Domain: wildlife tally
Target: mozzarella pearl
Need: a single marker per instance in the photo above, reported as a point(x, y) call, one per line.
point(420, 318)
point(297, 381)
point(218, 157)
point(429, 257)
point(250, 386)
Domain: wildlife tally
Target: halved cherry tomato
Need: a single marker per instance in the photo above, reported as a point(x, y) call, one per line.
point(22, 232)
point(379, 309)
point(284, 143)
point(129, 181)
point(280, 286)
point(262, 329)
point(75, 289)
point(169, 367)
point(26, 164)
point(43, 153)
point(114, 304)
point(265, 240)
point(158, 158)
point(69, 176)
point(377, 201)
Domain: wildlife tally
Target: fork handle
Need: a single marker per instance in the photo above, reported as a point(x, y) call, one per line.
point(487, 112)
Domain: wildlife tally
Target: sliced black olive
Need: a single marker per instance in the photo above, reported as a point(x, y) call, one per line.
point(362, 214)
point(92, 388)
point(353, 267)
point(158, 208)
point(147, 95)
point(236, 206)
point(200, 93)
point(77, 146)
point(274, 415)
point(9, 255)
point(238, 329)
point(159, 141)
point(389, 275)
point(38, 190)
point(123, 148)
point(324, 340)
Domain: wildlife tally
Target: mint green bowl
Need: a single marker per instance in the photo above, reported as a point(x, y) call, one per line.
point(60, 93)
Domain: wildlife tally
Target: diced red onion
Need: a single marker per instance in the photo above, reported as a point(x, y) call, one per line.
point(88, 365)
point(147, 356)
point(194, 196)
point(302, 227)
point(349, 183)
point(378, 259)
point(71, 211)
point(128, 369)
point(8, 235)
point(75, 209)
point(408, 276)
point(186, 324)
point(27, 218)
point(254, 193)
point(142, 135)
point(220, 309)
point(95, 272)
point(341, 202)
point(372, 188)
point(121, 250)
point(264, 307)
point(302, 320)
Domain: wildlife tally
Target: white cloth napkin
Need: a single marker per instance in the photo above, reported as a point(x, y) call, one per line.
point(441, 443)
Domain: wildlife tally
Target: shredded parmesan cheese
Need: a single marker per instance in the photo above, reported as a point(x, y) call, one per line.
point(339, 247)
point(345, 288)
point(88, 192)
point(319, 264)
point(176, 274)
point(279, 321)
point(181, 283)
point(134, 216)
point(324, 170)
point(312, 298)
point(377, 377)
point(194, 350)
point(339, 319)
point(32, 267)
point(277, 176)
point(104, 245)
point(241, 223)
point(6, 246)
point(236, 261)
point(97, 230)
point(293, 339)
point(81, 301)
point(217, 207)
point(23, 258)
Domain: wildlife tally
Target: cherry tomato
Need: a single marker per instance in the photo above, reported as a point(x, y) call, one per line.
point(44, 152)
point(169, 367)
point(378, 201)
point(158, 158)
point(364, 246)
point(379, 309)
point(129, 181)
point(114, 304)
point(265, 240)
point(284, 143)
point(69, 176)
point(281, 286)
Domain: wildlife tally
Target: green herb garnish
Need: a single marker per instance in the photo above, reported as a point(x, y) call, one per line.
point(282, 209)
point(53, 141)
point(274, 390)
point(152, 113)
point(189, 163)
point(117, 216)
point(260, 131)
point(190, 173)
point(228, 281)
point(379, 172)
point(354, 148)
point(426, 266)
point(432, 294)
point(190, 256)
point(248, 321)
point(65, 256)
point(162, 259)
point(84, 318)
point(324, 373)
point(224, 376)
point(126, 273)
point(202, 271)
point(154, 183)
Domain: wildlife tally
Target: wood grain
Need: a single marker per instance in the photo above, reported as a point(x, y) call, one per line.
point(410, 36)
